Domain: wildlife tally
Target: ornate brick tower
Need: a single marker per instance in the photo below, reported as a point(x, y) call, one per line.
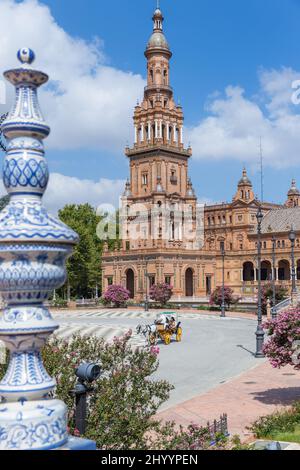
point(158, 159)
point(159, 201)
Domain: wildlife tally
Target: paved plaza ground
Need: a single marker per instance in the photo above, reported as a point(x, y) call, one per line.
point(214, 370)
point(257, 392)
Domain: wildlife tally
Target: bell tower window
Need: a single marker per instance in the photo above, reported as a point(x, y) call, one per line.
point(165, 77)
point(145, 179)
point(151, 76)
point(173, 178)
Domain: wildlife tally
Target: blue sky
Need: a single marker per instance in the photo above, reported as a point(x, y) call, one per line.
point(246, 45)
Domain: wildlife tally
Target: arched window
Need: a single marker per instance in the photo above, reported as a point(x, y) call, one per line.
point(151, 75)
point(173, 178)
point(158, 76)
point(165, 77)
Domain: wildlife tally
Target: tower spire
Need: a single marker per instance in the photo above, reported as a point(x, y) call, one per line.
point(158, 20)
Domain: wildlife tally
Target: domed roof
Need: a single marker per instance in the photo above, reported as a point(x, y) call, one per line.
point(158, 39)
point(245, 180)
point(294, 190)
point(158, 13)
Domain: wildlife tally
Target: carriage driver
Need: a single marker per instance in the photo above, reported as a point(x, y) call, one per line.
point(162, 320)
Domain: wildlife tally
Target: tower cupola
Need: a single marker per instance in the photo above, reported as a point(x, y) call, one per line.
point(293, 195)
point(245, 189)
point(157, 42)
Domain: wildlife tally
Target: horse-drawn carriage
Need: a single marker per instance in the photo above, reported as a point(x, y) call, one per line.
point(165, 326)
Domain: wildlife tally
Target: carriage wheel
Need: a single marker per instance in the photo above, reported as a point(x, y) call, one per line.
point(152, 339)
point(179, 335)
point(167, 339)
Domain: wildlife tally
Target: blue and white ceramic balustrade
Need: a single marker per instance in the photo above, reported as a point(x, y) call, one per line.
point(34, 247)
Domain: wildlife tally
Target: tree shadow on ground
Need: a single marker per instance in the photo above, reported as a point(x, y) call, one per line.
point(278, 396)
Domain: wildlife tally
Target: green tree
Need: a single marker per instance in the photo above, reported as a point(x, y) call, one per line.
point(84, 266)
point(281, 293)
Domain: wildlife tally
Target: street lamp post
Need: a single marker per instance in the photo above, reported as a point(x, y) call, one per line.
point(146, 293)
point(260, 334)
point(274, 312)
point(223, 312)
point(292, 238)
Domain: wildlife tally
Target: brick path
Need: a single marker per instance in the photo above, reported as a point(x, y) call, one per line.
point(258, 392)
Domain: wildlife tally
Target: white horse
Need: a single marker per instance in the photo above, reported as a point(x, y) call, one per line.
point(148, 331)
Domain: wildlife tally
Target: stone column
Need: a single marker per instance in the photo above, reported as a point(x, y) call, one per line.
point(34, 249)
point(135, 134)
point(142, 132)
point(174, 133)
point(181, 135)
point(168, 132)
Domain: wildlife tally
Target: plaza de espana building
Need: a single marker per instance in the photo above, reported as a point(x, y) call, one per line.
point(159, 178)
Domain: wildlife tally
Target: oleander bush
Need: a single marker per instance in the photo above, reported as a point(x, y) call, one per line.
point(283, 346)
point(216, 297)
point(279, 422)
point(115, 295)
point(125, 399)
point(161, 293)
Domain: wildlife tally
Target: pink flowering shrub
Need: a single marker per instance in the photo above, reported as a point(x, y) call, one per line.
point(122, 408)
point(154, 350)
point(283, 332)
point(161, 293)
point(116, 295)
point(216, 297)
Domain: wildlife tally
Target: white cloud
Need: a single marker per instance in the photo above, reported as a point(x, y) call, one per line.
point(64, 190)
point(87, 103)
point(70, 190)
point(235, 123)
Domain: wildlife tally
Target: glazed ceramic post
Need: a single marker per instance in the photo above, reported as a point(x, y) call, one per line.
point(34, 247)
